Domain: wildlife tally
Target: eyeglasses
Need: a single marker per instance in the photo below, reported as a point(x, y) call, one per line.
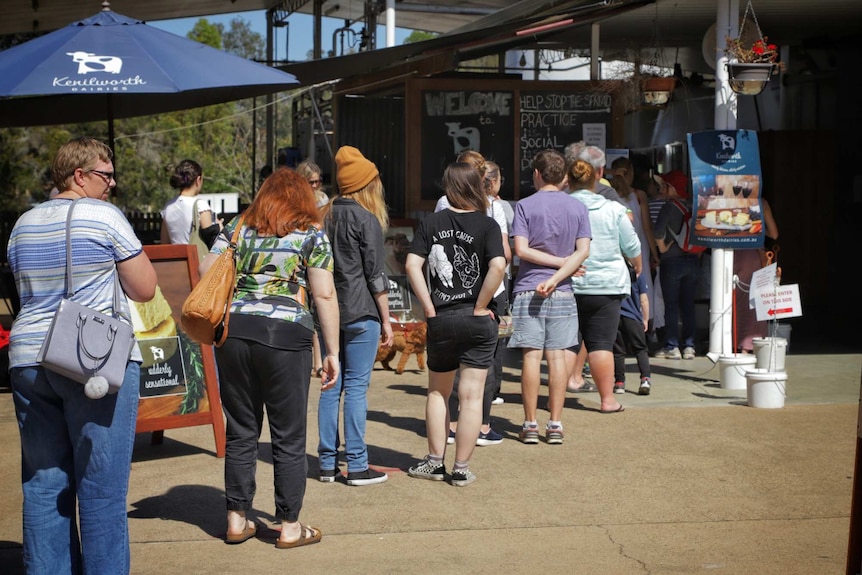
point(316, 182)
point(108, 176)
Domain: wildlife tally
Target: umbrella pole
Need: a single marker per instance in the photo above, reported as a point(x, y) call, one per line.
point(111, 138)
point(111, 128)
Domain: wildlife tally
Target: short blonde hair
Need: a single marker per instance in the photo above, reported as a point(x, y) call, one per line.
point(82, 152)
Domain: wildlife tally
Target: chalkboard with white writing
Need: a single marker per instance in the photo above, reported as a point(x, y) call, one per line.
point(454, 121)
point(555, 120)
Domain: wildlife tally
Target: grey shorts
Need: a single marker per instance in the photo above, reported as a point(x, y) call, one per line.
point(544, 323)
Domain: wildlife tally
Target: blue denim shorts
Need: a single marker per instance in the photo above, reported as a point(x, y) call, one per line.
point(544, 323)
point(458, 337)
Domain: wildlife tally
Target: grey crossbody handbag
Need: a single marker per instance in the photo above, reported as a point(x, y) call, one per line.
point(85, 345)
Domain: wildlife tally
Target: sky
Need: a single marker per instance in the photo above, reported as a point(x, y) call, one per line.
point(298, 35)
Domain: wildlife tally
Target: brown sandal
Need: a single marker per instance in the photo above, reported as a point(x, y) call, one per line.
point(304, 539)
point(247, 533)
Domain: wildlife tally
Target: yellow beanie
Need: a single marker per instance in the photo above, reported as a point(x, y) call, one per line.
point(354, 171)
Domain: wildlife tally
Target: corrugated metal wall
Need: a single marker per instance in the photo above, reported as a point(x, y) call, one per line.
point(375, 125)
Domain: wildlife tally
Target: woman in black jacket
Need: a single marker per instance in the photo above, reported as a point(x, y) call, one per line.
point(355, 221)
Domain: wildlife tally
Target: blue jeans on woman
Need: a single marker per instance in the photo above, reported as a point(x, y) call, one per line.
point(359, 341)
point(679, 277)
point(75, 451)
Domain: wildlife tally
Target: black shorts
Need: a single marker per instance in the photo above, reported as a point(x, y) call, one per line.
point(458, 337)
point(599, 317)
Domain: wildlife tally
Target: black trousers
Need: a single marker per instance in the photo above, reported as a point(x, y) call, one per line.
point(253, 376)
point(631, 338)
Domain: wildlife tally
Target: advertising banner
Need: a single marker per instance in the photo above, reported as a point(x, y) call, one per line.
point(727, 186)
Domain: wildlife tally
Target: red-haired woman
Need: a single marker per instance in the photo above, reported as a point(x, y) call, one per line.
point(283, 259)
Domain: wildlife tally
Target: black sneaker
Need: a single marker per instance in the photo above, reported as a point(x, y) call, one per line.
point(329, 475)
point(427, 470)
point(367, 477)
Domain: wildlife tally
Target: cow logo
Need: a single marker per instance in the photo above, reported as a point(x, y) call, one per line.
point(463, 138)
point(727, 142)
point(158, 353)
point(92, 63)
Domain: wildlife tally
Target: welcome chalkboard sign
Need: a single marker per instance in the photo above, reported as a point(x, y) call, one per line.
point(555, 120)
point(507, 120)
point(458, 120)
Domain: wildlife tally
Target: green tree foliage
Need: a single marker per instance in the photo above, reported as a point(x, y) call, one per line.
point(241, 40)
point(419, 36)
point(206, 33)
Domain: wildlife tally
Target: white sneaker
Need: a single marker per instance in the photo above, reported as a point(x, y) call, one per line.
point(644, 388)
point(498, 400)
point(688, 353)
point(668, 353)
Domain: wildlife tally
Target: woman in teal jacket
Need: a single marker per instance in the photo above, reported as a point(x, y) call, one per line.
point(606, 283)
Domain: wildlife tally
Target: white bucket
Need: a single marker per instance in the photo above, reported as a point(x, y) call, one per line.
point(732, 370)
point(766, 388)
point(770, 352)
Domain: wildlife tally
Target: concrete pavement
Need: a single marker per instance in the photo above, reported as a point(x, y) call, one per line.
point(686, 480)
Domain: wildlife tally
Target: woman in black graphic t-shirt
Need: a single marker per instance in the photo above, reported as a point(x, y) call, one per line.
point(463, 251)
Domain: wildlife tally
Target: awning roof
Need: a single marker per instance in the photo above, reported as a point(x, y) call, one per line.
point(516, 26)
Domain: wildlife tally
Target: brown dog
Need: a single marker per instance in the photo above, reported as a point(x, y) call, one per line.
point(409, 339)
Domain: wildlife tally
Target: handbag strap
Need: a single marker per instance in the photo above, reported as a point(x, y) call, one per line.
point(235, 236)
point(195, 218)
point(70, 279)
point(232, 247)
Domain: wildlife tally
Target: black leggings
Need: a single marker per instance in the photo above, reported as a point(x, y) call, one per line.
point(599, 320)
point(631, 338)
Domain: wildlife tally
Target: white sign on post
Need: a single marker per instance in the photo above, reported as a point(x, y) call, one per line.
point(763, 279)
point(595, 135)
point(779, 303)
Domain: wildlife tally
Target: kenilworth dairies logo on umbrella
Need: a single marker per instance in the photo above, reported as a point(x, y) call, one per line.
point(89, 62)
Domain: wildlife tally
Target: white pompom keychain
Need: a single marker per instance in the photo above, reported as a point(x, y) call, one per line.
point(96, 387)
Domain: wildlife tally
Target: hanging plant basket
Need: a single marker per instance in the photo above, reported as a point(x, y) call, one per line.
point(657, 91)
point(749, 79)
point(750, 66)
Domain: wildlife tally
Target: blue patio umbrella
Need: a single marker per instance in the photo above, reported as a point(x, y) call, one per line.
point(111, 66)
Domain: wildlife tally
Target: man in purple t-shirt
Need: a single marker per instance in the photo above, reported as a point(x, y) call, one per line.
point(548, 228)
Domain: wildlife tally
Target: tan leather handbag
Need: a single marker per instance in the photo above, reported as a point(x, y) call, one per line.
point(206, 311)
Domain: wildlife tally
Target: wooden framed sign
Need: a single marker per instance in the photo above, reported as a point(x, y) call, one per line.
point(179, 386)
point(507, 120)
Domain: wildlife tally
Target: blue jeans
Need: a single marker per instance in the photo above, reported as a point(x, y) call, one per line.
point(75, 450)
point(359, 342)
point(679, 276)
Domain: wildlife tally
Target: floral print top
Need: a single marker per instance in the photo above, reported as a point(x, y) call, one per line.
point(272, 272)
